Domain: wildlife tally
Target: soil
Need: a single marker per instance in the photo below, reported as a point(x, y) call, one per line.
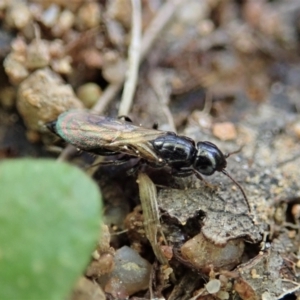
point(227, 72)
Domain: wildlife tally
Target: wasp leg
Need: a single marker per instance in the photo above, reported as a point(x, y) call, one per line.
point(116, 162)
point(234, 152)
point(199, 176)
point(134, 169)
point(182, 172)
point(103, 152)
point(155, 165)
point(188, 172)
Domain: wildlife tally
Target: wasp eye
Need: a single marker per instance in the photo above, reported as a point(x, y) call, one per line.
point(209, 158)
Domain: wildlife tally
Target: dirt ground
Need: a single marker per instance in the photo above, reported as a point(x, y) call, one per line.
point(222, 71)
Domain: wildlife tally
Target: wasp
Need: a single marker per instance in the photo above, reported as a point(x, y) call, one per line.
point(107, 136)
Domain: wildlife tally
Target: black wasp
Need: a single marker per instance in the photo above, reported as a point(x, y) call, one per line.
point(107, 136)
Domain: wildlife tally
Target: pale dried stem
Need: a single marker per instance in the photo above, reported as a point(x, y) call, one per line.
point(158, 24)
point(148, 197)
point(133, 59)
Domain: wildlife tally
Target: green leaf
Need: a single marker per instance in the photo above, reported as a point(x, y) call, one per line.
point(49, 225)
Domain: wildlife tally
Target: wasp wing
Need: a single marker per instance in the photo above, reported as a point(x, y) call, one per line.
point(89, 132)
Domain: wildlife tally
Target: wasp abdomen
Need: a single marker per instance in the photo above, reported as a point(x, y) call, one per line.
point(176, 151)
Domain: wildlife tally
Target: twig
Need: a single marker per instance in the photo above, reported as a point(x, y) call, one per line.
point(106, 97)
point(133, 59)
point(67, 152)
point(291, 290)
point(152, 225)
point(158, 23)
point(159, 82)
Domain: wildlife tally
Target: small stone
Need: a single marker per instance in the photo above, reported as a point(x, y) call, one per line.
point(120, 10)
point(167, 251)
point(104, 240)
point(50, 15)
point(38, 55)
point(88, 290)
point(296, 211)
point(92, 57)
point(57, 48)
point(116, 32)
point(130, 275)
point(89, 16)
point(114, 67)
point(254, 274)
point(89, 93)
point(104, 265)
point(296, 129)
point(14, 65)
point(193, 13)
point(65, 22)
point(292, 234)
point(95, 255)
point(33, 136)
point(222, 295)
point(266, 296)
point(203, 254)
point(42, 97)
point(225, 131)
point(18, 15)
point(7, 97)
point(62, 65)
point(213, 286)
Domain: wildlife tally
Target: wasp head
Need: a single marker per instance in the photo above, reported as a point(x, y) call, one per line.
point(209, 158)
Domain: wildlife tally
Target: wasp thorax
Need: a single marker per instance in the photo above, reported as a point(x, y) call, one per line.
point(209, 158)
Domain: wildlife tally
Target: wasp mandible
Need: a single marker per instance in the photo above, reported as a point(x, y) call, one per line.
point(107, 136)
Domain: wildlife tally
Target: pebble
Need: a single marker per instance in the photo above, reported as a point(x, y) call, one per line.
point(89, 93)
point(130, 275)
point(43, 96)
point(224, 131)
point(202, 253)
point(213, 286)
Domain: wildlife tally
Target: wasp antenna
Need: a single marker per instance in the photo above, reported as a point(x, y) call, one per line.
point(207, 103)
point(234, 152)
point(52, 126)
point(239, 186)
